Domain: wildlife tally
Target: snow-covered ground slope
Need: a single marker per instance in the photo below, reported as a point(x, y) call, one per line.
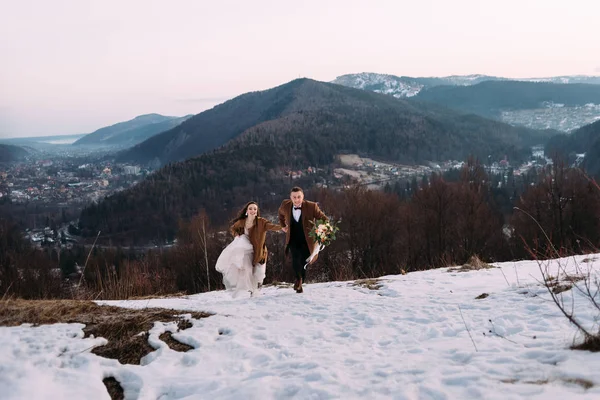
point(403, 340)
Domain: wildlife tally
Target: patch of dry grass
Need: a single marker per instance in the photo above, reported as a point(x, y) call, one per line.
point(114, 388)
point(591, 343)
point(371, 283)
point(584, 383)
point(166, 296)
point(474, 264)
point(562, 285)
point(120, 326)
point(174, 344)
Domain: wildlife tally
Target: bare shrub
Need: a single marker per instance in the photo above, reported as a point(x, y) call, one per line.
point(557, 280)
point(474, 264)
point(133, 278)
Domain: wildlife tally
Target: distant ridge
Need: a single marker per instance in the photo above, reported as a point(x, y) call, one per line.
point(9, 153)
point(132, 132)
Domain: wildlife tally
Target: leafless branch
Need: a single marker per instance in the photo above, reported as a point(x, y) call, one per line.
point(87, 259)
point(468, 331)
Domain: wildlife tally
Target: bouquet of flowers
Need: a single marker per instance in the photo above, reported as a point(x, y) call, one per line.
point(323, 233)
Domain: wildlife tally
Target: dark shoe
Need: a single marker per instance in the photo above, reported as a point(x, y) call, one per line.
point(299, 287)
point(296, 284)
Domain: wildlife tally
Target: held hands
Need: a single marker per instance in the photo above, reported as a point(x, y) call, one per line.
point(284, 229)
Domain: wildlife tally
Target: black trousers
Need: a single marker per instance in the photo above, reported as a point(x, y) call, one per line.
point(300, 253)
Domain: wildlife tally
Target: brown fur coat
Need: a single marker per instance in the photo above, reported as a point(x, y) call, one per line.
point(257, 236)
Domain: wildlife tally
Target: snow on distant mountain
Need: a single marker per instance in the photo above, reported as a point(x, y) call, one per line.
point(405, 86)
point(380, 83)
point(592, 80)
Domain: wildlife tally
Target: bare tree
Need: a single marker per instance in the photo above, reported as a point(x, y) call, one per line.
point(204, 246)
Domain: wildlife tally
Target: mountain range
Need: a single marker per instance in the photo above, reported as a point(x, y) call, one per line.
point(132, 132)
point(118, 136)
point(245, 148)
point(405, 86)
point(310, 103)
point(563, 103)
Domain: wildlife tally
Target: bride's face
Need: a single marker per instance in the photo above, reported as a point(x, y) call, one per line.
point(252, 210)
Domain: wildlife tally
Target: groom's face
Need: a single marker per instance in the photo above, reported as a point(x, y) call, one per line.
point(297, 198)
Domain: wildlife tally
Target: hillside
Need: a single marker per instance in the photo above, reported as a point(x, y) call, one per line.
point(561, 103)
point(9, 153)
point(491, 98)
point(533, 104)
point(309, 103)
point(213, 128)
point(584, 141)
point(491, 334)
point(132, 132)
point(310, 123)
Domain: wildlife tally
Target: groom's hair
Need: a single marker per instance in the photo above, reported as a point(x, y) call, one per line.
point(297, 189)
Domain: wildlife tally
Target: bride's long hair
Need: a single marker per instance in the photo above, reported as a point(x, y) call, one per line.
point(243, 213)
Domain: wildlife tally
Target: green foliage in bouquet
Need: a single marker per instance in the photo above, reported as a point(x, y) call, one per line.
point(323, 232)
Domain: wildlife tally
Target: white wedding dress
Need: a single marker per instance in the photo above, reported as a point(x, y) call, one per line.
point(235, 263)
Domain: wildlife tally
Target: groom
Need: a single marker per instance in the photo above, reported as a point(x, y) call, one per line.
point(295, 216)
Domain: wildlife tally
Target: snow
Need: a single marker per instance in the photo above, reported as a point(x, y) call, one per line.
point(50, 361)
point(406, 340)
point(402, 87)
point(393, 85)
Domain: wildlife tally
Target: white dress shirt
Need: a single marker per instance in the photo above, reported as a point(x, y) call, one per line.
point(297, 214)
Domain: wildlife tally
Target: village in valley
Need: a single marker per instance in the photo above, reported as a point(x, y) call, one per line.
point(354, 169)
point(59, 184)
point(67, 182)
point(64, 182)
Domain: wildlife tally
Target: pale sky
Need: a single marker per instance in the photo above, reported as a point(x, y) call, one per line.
point(73, 66)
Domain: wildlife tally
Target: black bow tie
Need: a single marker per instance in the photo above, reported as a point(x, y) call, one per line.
point(297, 208)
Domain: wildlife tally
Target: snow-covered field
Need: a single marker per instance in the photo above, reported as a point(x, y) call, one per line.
point(405, 340)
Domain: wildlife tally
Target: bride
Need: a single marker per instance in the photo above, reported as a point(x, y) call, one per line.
point(243, 261)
